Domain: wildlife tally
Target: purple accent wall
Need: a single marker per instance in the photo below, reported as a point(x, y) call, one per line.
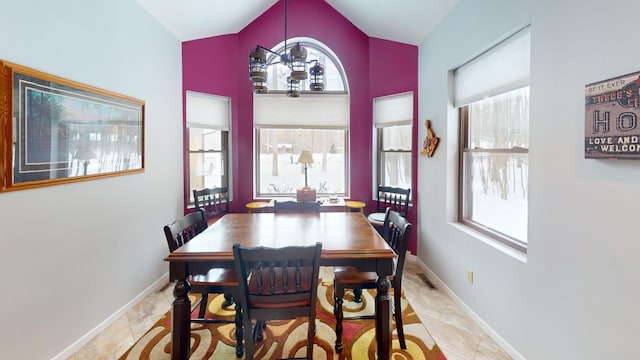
point(393, 69)
point(374, 67)
point(210, 66)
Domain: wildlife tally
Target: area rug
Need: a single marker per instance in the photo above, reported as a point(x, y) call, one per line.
point(287, 339)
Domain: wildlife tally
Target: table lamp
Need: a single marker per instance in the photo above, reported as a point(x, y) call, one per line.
point(306, 193)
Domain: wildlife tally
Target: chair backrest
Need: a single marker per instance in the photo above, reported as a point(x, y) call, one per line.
point(184, 229)
point(396, 232)
point(214, 201)
point(395, 198)
point(278, 283)
point(296, 206)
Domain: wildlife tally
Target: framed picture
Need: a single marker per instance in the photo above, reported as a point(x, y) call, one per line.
point(612, 108)
point(54, 130)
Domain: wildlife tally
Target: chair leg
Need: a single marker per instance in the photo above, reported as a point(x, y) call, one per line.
point(357, 296)
point(203, 305)
point(338, 294)
point(260, 326)
point(397, 310)
point(228, 300)
point(248, 339)
point(239, 329)
point(311, 332)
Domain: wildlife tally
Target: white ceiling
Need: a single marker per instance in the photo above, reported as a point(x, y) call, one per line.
point(406, 21)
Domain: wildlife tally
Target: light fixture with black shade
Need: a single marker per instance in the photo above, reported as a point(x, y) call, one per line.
point(295, 60)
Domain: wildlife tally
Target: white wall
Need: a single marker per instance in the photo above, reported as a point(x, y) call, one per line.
point(575, 296)
point(73, 255)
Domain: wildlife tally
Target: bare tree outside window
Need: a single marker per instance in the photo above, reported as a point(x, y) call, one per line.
point(279, 172)
point(395, 156)
point(207, 159)
point(495, 164)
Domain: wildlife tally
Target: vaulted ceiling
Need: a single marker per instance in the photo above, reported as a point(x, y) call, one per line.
point(406, 21)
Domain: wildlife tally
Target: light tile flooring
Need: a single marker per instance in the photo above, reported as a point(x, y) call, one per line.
point(456, 334)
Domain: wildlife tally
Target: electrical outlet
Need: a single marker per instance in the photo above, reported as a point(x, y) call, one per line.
point(470, 276)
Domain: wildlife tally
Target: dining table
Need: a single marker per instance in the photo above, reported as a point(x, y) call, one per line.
point(347, 238)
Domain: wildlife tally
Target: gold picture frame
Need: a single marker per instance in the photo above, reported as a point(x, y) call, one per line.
point(55, 131)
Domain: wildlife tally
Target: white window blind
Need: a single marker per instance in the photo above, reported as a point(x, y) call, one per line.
point(311, 111)
point(393, 110)
point(503, 68)
point(208, 111)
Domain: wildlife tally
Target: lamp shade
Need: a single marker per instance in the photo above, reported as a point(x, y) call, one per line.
point(305, 157)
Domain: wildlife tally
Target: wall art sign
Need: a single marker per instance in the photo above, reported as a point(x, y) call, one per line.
point(54, 130)
point(612, 108)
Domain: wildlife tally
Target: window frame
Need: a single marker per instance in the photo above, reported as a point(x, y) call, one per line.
point(258, 144)
point(381, 169)
point(200, 119)
point(316, 45)
point(500, 69)
point(379, 124)
point(224, 151)
point(287, 125)
point(463, 187)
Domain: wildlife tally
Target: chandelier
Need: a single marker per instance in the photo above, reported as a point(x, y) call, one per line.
point(295, 60)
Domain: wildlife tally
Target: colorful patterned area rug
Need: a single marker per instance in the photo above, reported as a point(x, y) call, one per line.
point(287, 339)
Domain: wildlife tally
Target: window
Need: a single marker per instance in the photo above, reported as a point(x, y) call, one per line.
point(393, 122)
point(280, 138)
point(208, 119)
point(492, 93)
point(334, 78)
point(318, 122)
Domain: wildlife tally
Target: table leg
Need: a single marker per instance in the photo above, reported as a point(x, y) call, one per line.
point(181, 322)
point(338, 294)
point(383, 318)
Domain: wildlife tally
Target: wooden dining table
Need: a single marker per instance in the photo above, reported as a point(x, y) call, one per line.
point(347, 239)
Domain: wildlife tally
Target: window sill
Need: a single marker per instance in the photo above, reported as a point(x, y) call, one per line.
point(522, 257)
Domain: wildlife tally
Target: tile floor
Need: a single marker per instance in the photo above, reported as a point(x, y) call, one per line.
point(456, 334)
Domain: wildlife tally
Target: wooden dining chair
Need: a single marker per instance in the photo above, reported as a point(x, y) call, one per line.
point(217, 281)
point(396, 232)
point(295, 206)
point(214, 201)
point(277, 284)
point(389, 197)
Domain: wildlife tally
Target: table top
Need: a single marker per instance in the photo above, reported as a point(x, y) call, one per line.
point(343, 236)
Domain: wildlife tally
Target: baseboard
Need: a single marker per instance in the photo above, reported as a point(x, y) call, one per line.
point(71, 349)
point(485, 327)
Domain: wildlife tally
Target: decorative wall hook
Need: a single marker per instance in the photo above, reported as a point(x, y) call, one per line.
point(430, 142)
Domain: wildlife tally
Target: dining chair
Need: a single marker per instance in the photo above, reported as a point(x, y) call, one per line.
point(396, 232)
point(219, 281)
point(215, 202)
point(296, 206)
point(277, 284)
point(394, 197)
point(215, 281)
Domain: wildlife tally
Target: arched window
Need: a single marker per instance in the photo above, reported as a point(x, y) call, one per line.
point(317, 122)
point(334, 76)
